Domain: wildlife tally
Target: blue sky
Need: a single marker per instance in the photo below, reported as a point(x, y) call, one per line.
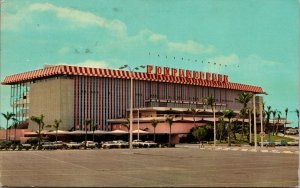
point(256, 39)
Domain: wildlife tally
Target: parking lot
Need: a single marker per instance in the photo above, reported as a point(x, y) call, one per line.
point(179, 167)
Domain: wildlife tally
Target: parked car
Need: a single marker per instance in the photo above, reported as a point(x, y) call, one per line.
point(90, 144)
point(281, 143)
point(115, 144)
point(149, 144)
point(267, 143)
point(137, 143)
point(26, 146)
point(292, 131)
point(293, 143)
point(108, 145)
point(73, 145)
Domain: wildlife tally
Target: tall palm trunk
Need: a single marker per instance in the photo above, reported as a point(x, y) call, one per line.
point(243, 133)
point(273, 127)
point(39, 137)
point(93, 134)
point(229, 132)
point(15, 133)
point(9, 133)
point(154, 134)
point(6, 131)
point(56, 135)
point(170, 137)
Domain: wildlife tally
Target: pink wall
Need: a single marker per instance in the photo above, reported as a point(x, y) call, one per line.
point(19, 133)
point(162, 127)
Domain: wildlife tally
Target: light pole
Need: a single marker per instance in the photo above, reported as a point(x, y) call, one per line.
point(131, 99)
point(261, 126)
point(138, 111)
point(250, 131)
point(254, 112)
point(215, 135)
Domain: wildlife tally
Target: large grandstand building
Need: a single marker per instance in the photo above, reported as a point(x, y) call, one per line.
point(75, 94)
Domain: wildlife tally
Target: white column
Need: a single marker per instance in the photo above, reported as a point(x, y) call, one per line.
point(250, 139)
point(254, 112)
point(131, 114)
point(138, 111)
point(215, 136)
point(261, 124)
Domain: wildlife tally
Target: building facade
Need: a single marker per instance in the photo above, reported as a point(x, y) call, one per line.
point(75, 94)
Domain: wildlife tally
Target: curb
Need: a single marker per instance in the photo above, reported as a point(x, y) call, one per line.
point(245, 150)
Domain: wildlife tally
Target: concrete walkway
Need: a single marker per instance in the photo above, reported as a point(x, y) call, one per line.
point(244, 148)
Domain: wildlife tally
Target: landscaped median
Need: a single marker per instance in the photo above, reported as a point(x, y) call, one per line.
point(46, 145)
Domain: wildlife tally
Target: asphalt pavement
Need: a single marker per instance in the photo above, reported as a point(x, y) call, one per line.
point(153, 167)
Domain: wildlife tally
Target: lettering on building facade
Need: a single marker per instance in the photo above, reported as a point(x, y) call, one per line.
point(166, 71)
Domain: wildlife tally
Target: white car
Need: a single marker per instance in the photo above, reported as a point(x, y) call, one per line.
point(291, 131)
point(294, 143)
point(73, 145)
point(149, 144)
point(90, 144)
point(115, 144)
point(137, 143)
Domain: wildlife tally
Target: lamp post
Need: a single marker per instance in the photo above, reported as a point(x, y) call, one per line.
point(138, 123)
point(261, 125)
point(215, 135)
point(138, 112)
point(254, 112)
point(250, 131)
point(131, 99)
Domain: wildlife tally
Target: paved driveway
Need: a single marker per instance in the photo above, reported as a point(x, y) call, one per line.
point(180, 167)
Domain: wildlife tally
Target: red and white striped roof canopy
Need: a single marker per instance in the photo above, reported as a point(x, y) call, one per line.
point(99, 72)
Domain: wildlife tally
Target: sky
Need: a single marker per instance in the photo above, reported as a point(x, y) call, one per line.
point(253, 42)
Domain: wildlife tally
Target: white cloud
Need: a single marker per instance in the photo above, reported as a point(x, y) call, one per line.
point(11, 21)
point(231, 59)
point(81, 18)
point(190, 47)
point(64, 50)
point(87, 63)
point(157, 37)
point(117, 27)
point(257, 60)
point(94, 64)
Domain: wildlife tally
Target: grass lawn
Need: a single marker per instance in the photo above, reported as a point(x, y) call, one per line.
point(266, 138)
point(273, 138)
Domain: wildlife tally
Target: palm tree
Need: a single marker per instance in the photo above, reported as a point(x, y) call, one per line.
point(297, 112)
point(15, 124)
point(268, 113)
point(221, 127)
point(243, 114)
point(56, 126)
point(228, 113)
point(169, 120)
point(274, 112)
point(286, 113)
point(199, 133)
point(94, 126)
point(86, 122)
point(8, 116)
point(40, 121)
point(211, 102)
point(154, 123)
point(278, 118)
point(244, 98)
point(194, 111)
point(126, 124)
